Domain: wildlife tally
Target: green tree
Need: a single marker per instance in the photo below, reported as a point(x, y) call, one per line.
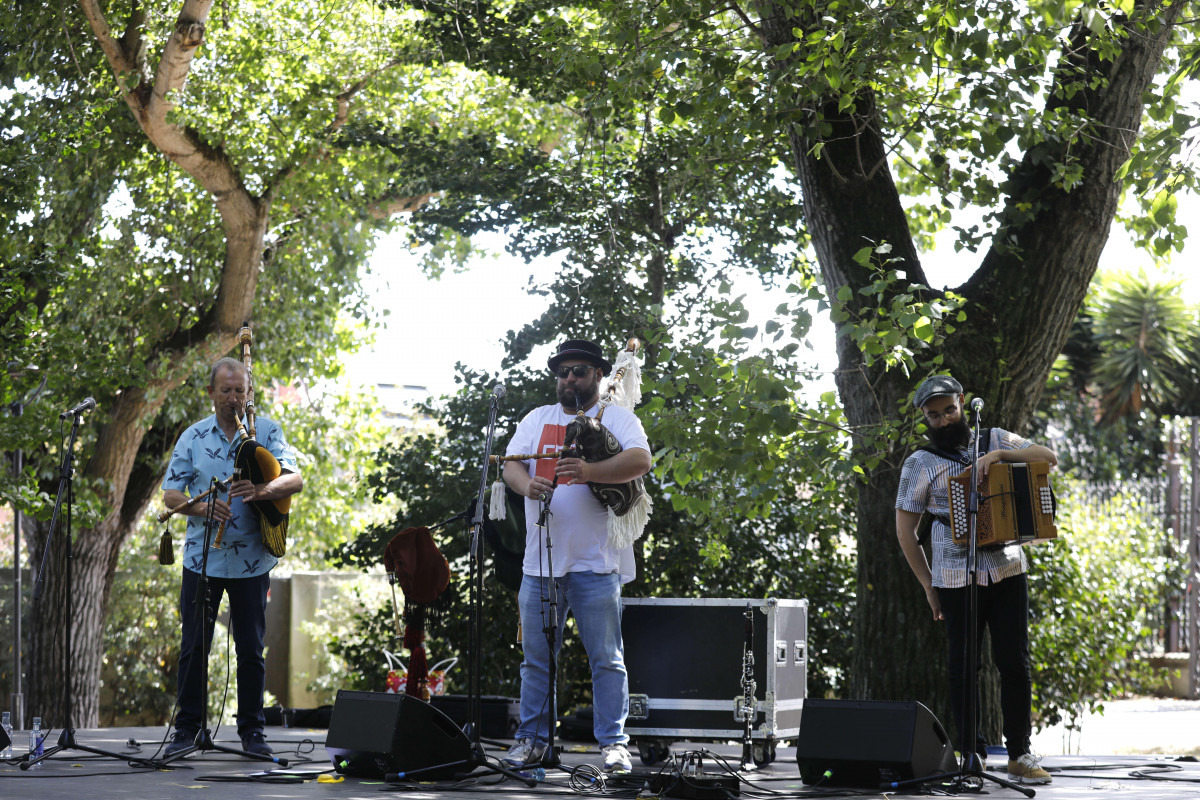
point(170, 175)
point(888, 119)
point(1127, 365)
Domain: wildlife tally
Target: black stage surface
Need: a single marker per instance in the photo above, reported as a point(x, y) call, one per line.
point(77, 775)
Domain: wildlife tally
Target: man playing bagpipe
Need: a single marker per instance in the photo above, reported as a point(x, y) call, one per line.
point(589, 565)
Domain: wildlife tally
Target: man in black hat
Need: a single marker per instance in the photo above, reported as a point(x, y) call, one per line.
point(588, 569)
point(1003, 597)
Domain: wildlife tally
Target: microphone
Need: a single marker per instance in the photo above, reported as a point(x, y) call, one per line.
point(498, 390)
point(977, 404)
point(545, 496)
point(87, 405)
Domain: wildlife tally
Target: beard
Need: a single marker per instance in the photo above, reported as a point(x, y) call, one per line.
point(952, 436)
point(580, 396)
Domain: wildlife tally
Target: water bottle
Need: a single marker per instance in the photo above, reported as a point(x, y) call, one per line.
point(537, 773)
point(6, 723)
point(35, 740)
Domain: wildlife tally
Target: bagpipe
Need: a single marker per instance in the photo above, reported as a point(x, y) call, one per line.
point(258, 464)
point(253, 462)
point(628, 505)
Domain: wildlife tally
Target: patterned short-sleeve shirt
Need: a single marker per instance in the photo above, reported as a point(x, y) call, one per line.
point(201, 454)
point(923, 488)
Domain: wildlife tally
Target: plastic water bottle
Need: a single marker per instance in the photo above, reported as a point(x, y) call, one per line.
point(537, 773)
point(6, 722)
point(35, 740)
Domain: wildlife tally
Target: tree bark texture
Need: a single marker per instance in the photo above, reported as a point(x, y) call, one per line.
point(1020, 305)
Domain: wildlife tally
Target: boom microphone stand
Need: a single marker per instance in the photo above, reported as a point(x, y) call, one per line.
point(971, 766)
point(66, 471)
point(477, 758)
point(204, 741)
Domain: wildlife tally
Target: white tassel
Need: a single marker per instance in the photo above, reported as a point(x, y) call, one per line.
point(497, 508)
point(624, 531)
point(628, 393)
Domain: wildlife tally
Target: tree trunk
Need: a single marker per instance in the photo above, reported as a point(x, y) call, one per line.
point(1021, 303)
point(75, 592)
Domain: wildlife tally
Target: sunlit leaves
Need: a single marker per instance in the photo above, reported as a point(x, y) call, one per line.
point(1113, 558)
point(890, 321)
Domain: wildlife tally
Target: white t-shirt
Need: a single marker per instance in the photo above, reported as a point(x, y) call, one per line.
point(578, 522)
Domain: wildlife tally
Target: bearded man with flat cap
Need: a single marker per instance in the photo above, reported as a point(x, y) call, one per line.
point(1002, 595)
point(588, 570)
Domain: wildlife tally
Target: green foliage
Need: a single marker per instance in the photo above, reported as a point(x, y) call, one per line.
point(1096, 595)
point(334, 435)
point(1129, 363)
point(352, 632)
point(892, 322)
point(1146, 335)
point(141, 640)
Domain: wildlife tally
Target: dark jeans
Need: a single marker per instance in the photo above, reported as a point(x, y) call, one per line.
point(247, 623)
point(1004, 609)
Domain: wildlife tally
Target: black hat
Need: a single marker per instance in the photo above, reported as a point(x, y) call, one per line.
point(580, 349)
point(936, 386)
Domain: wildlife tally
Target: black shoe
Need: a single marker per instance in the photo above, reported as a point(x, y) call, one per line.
point(181, 741)
point(255, 744)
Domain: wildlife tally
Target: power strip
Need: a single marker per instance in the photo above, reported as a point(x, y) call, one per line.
point(704, 786)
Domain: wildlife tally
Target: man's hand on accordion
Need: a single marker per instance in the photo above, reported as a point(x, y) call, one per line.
point(986, 460)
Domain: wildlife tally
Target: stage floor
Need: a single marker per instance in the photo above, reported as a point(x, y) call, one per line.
point(78, 775)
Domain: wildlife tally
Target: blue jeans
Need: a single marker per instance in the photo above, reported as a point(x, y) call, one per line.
point(595, 600)
point(247, 623)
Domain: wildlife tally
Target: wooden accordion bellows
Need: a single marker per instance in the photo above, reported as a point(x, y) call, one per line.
point(1016, 505)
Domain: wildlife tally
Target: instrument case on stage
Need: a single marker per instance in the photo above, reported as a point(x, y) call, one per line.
point(685, 663)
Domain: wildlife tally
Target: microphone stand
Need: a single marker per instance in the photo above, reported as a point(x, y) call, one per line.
point(971, 766)
point(66, 740)
point(550, 631)
point(204, 741)
point(474, 725)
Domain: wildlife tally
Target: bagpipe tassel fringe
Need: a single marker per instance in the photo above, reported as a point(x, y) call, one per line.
point(496, 507)
point(625, 530)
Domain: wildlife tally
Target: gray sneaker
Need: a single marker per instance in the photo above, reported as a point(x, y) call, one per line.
point(525, 751)
point(616, 759)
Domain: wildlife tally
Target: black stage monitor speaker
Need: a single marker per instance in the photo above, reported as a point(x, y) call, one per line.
point(867, 744)
point(375, 734)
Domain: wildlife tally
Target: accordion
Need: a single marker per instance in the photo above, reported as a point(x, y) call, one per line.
point(1016, 505)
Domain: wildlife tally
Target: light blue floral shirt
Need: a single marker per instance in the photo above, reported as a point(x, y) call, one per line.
point(201, 454)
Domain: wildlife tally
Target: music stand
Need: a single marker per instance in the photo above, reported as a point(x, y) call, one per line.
point(67, 740)
point(204, 741)
point(971, 767)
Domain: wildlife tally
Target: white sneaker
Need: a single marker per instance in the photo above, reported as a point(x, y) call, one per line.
point(616, 759)
point(524, 752)
point(1027, 769)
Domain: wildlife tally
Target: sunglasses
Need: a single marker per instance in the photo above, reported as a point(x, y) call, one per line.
point(579, 370)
